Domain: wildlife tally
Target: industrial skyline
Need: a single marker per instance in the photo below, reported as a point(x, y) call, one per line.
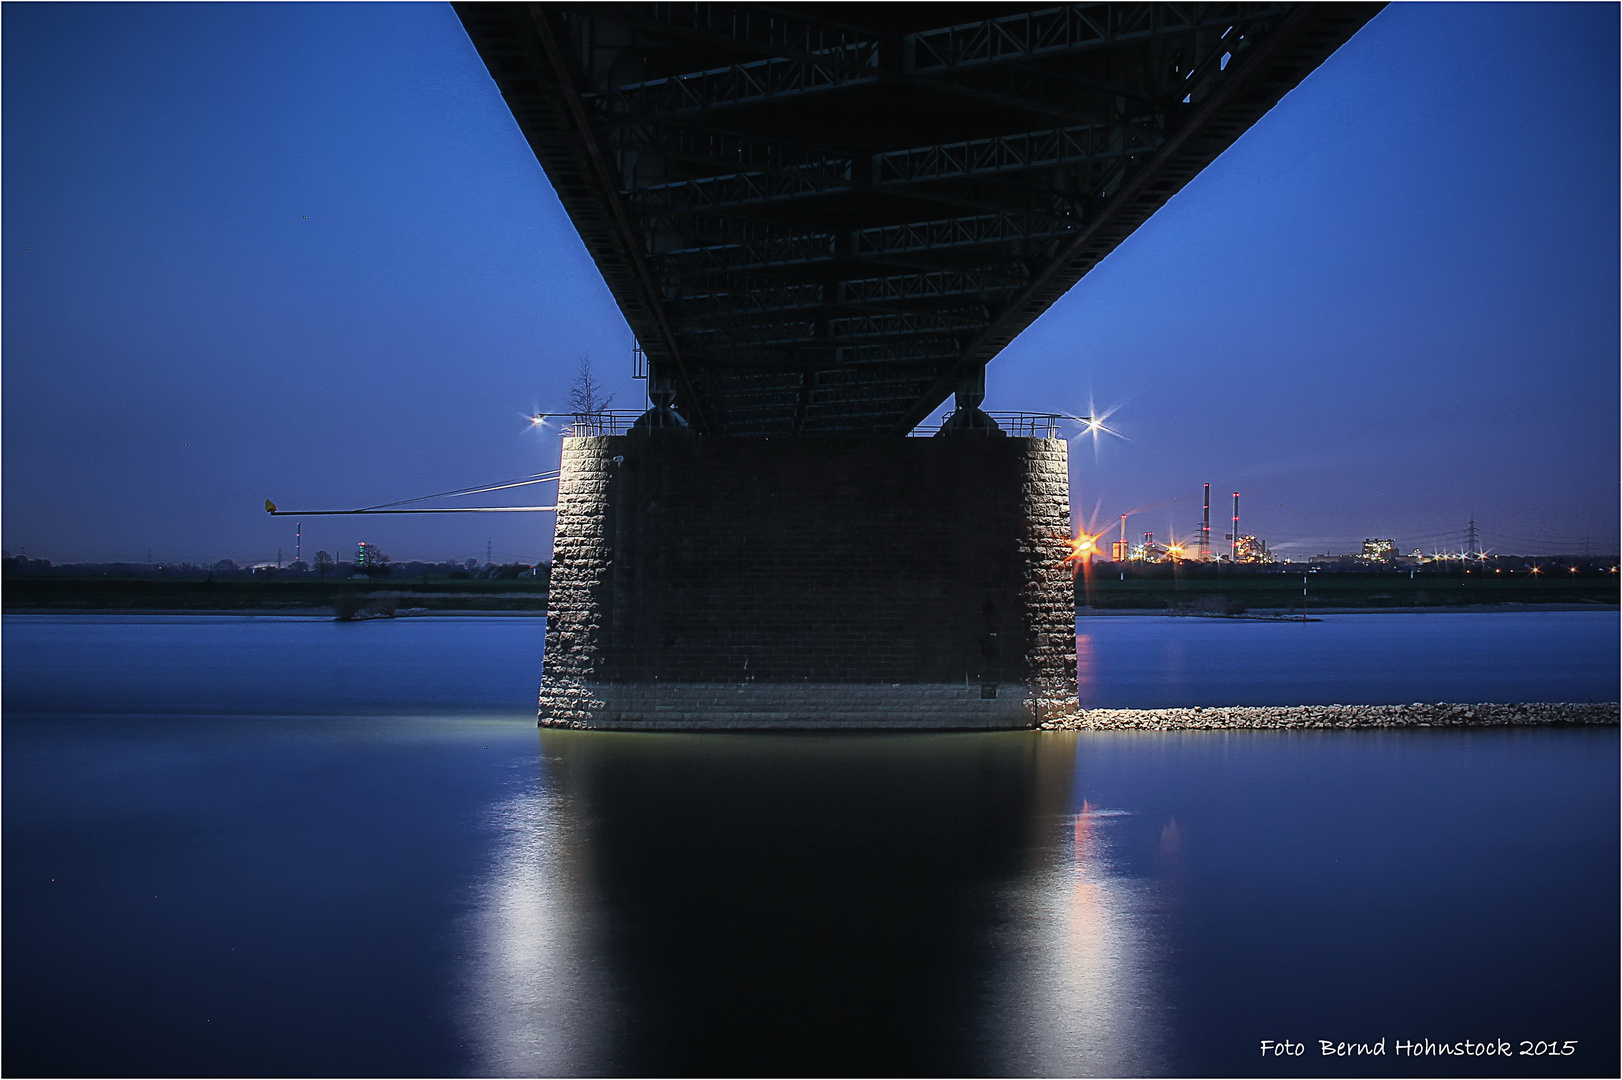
point(302, 253)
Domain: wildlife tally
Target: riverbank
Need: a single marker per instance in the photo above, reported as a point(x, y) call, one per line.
point(1212, 590)
point(1209, 592)
point(1531, 714)
point(93, 596)
point(1284, 615)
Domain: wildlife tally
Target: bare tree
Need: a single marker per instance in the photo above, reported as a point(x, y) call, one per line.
point(587, 396)
point(323, 563)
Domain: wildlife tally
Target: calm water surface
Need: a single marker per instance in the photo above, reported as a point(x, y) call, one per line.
point(1154, 661)
point(294, 847)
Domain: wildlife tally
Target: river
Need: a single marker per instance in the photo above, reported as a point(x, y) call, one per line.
point(278, 846)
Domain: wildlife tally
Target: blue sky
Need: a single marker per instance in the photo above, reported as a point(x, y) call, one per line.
point(302, 252)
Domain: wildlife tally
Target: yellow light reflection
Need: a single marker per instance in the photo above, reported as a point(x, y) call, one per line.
point(1085, 1001)
point(1084, 670)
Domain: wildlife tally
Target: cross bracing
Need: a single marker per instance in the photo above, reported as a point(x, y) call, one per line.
point(820, 220)
point(1048, 31)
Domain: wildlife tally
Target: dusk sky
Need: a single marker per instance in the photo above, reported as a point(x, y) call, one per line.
point(302, 252)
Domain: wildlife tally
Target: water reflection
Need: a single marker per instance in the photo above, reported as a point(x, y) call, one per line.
point(809, 904)
point(1081, 995)
point(536, 998)
point(1086, 674)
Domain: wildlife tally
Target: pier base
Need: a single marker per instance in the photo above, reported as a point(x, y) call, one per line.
point(801, 583)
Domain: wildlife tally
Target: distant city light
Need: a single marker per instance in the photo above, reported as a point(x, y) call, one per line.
point(1082, 549)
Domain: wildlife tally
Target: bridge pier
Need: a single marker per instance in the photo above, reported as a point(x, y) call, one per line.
point(805, 583)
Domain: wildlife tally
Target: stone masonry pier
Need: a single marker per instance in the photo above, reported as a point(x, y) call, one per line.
point(803, 583)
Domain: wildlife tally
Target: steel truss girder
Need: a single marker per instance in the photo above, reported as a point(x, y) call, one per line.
point(1065, 101)
point(1067, 28)
point(962, 232)
point(754, 255)
point(850, 329)
point(754, 296)
point(829, 355)
point(748, 318)
point(1045, 33)
point(771, 31)
point(741, 84)
point(762, 260)
point(977, 230)
point(910, 324)
point(996, 155)
point(1005, 153)
point(903, 287)
point(718, 150)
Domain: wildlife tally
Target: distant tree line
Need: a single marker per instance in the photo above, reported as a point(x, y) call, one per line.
point(323, 567)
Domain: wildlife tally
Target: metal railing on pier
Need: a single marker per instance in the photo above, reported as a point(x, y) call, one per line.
point(604, 422)
point(1026, 425)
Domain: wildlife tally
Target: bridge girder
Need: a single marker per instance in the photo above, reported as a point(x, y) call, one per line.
point(817, 220)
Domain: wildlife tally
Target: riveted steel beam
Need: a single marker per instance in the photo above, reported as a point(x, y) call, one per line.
point(1065, 29)
point(996, 155)
point(961, 232)
point(739, 84)
point(783, 198)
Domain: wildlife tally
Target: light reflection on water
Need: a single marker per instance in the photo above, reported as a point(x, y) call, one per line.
point(1083, 979)
point(534, 1000)
point(810, 904)
point(1037, 904)
point(233, 881)
point(1043, 954)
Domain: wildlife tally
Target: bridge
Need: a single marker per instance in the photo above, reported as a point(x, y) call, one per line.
point(824, 220)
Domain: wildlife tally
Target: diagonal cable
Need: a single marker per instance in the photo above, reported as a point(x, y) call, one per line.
point(537, 478)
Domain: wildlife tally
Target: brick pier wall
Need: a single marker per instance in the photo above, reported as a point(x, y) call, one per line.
point(714, 583)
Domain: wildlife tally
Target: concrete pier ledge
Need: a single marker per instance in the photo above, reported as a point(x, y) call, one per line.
point(1337, 716)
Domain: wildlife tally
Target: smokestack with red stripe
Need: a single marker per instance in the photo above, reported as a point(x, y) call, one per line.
point(1236, 526)
point(1205, 526)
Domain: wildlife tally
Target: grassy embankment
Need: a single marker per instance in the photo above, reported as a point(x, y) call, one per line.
point(21, 594)
point(1236, 593)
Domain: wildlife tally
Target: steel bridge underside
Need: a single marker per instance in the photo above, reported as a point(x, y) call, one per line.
point(822, 219)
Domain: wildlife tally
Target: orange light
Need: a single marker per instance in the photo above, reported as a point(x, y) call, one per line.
point(1082, 549)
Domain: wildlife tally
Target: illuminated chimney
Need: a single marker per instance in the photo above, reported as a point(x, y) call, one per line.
point(1236, 526)
point(1205, 525)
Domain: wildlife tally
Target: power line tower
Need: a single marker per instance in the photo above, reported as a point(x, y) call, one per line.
point(1472, 540)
